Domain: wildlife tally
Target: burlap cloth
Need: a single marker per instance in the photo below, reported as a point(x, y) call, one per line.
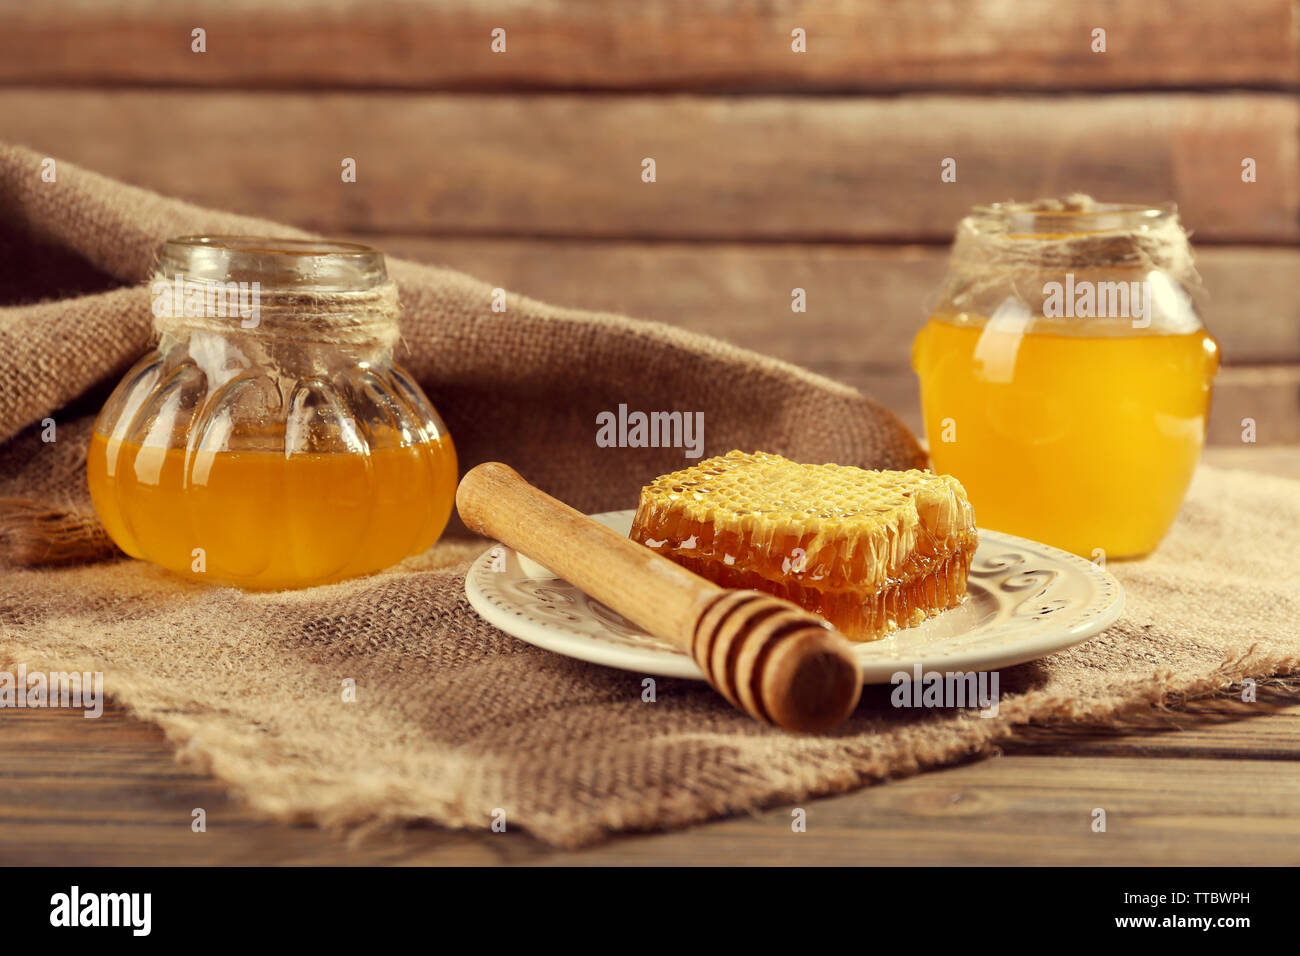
point(454, 719)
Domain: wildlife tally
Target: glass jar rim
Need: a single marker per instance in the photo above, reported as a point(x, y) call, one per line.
point(325, 265)
point(1032, 218)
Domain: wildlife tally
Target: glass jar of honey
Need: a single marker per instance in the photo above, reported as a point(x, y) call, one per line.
point(1066, 374)
point(270, 441)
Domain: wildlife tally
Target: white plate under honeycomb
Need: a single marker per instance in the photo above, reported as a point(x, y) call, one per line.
point(1026, 600)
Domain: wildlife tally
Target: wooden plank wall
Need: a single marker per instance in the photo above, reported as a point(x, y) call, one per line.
point(775, 169)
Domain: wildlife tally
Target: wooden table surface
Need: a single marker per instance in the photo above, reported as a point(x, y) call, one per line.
point(1205, 790)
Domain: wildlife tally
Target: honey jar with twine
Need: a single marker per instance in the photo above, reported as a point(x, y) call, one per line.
point(270, 441)
point(1066, 372)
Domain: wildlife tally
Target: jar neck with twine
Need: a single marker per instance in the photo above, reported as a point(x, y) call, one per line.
point(297, 292)
point(1007, 254)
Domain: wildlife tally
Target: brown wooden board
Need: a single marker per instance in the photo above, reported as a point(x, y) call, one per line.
point(764, 168)
point(865, 302)
point(109, 792)
point(655, 44)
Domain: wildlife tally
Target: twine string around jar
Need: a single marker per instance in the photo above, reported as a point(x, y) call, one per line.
point(992, 251)
point(337, 317)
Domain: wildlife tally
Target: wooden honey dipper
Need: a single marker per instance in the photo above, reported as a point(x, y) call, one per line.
point(769, 657)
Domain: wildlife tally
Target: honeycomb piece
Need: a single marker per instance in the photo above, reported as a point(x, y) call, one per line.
point(870, 551)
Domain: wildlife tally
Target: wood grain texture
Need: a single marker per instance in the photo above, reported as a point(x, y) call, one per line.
point(109, 792)
point(1268, 395)
point(653, 44)
point(1019, 810)
point(767, 168)
point(874, 296)
point(865, 303)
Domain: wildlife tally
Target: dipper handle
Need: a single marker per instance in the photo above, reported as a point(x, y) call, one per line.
point(769, 657)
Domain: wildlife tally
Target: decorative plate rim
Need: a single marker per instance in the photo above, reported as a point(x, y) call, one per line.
point(612, 641)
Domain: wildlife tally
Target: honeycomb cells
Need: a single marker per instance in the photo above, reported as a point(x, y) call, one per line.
point(869, 551)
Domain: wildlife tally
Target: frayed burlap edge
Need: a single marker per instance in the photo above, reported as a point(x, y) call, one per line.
point(51, 534)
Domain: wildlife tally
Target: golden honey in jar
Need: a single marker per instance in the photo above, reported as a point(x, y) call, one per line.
point(270, 441)
point(1066, 374)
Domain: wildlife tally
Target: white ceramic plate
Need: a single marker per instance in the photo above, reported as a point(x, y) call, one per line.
point(1026, 600)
